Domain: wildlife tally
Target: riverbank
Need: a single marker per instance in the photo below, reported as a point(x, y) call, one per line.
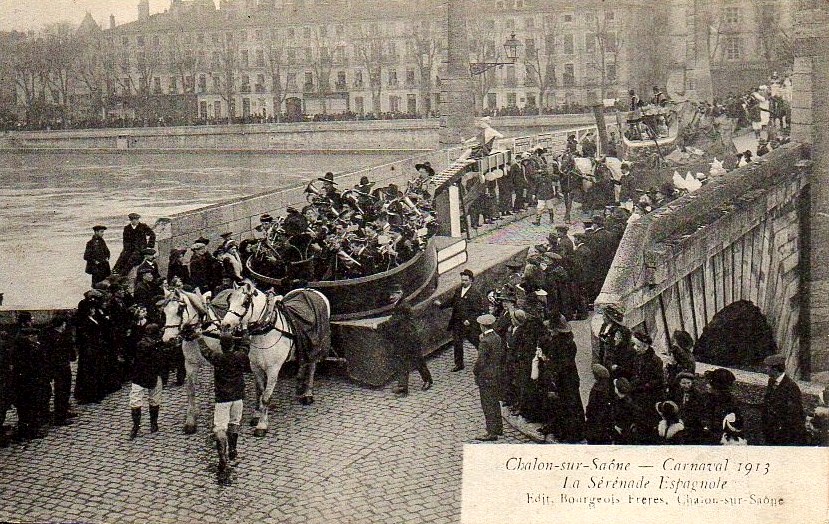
point(353, 137)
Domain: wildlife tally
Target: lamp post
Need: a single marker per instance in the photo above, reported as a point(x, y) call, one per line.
point(511, 46)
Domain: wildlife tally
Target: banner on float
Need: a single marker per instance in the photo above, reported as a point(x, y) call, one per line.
point(647, 484)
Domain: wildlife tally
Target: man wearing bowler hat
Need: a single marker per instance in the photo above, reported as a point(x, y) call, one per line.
point(488, 372)
point(138, 236)
point(784, 423)
point(466, 303)
point(96, 255)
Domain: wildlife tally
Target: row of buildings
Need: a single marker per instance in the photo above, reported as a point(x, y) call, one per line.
point(268, 58)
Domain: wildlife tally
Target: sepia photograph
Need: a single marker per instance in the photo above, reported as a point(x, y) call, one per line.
point(424, 261)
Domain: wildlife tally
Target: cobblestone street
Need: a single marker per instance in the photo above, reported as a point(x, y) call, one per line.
point(357, 455)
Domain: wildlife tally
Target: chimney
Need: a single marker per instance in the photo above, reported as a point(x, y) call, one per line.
point(112, 21)
point(143, 10)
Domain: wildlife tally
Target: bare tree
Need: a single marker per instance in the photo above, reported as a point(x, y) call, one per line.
point(427, 47)
point(61, 49)
point(372, 55)
point(279, 68)
point(322, 64)
point(28, 65)
point(225, 70)
point(607, 45)
point(540, 63)
point(483, 47)
point(91, 69)
point(776, 44)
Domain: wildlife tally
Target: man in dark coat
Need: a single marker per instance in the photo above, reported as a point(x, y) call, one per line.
point(96, 255)
point(176, 268)
point(488, 372)
point(784, 423)
point(7, 383)
point(598, 425)
point(403, 336)
point(205, 270)
point(149, 365)
point(559, 377)
point(32, 377)
point(647, 379)
point(466, 303)
point(57, 342)
point(137, 237)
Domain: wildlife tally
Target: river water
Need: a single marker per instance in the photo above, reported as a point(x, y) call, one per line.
point(50, 201)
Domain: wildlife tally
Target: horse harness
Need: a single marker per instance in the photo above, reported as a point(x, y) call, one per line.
point(267, 319)
point(188, 331)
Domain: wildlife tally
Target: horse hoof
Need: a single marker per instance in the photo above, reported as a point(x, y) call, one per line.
point(254, 421)
point(189, 429)
point(259, 432)
point(306, 400)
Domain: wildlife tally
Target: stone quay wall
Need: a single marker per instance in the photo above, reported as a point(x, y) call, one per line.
point(347, 136)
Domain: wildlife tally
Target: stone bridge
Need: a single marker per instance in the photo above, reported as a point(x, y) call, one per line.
point(741, 238)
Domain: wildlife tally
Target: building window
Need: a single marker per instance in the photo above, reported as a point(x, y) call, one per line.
point(531, 99)
point(394, 104)
point(156, 85)
point(290, 82)
point(125, 40)
point(609, 15)
point(733, 48)
point(610, 44)
point(358, 78)
point(392, 78)
point(260, 84)
point(323, 31)
point(510, 77)
point(511, 100)
point(341, 81)
point(590, 43)
point(260, 58)
point(411, 104)
point(359, 105)
point(309, 54)
point(569, 76)
point(291, 55)
point(203, 83)
point(731, 15)
point(529, 23)
point(410, 77)
point(529, 45)
point(173, 87)
point(611, 72)
point(338, 30)
point(217, 86)
point(245, 59)
point(568, 44)
point(567, 18)
point(309, 81)
point(491, 100)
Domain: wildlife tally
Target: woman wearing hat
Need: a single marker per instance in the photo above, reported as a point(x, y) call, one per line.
point(719, 401)
point(563, 412)
point(598, 425)
point(647, 378)
point(626, 416)
point(91, 323)
point(176, 268)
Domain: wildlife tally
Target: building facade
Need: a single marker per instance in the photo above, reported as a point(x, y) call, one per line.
point(263, 59)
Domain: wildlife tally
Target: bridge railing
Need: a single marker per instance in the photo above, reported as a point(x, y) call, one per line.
point(661, 249)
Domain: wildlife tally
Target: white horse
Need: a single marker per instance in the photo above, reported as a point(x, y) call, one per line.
point(272, 337)
point(183, 312)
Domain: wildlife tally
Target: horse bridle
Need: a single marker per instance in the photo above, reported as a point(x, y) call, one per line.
point(181, 307)
point(246, 303)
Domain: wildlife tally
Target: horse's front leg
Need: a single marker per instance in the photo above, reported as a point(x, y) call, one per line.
point(305, 383)
point(191, 366)
point(259, 382)
point(265, 399)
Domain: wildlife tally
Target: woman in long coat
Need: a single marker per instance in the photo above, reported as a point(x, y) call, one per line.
point(563, 410)
point(89, 330)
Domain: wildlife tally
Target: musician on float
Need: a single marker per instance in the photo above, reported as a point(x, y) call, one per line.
point(330, 191)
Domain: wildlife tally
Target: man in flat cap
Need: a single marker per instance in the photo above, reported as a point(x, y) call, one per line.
point(137, 236)
point(488, 372)
point(96, 255)
point(466, 303)
point(148, 263)
point(205, 270)
point(784, 423)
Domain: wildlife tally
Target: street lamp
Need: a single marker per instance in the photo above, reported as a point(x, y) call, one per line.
point(511, 46)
